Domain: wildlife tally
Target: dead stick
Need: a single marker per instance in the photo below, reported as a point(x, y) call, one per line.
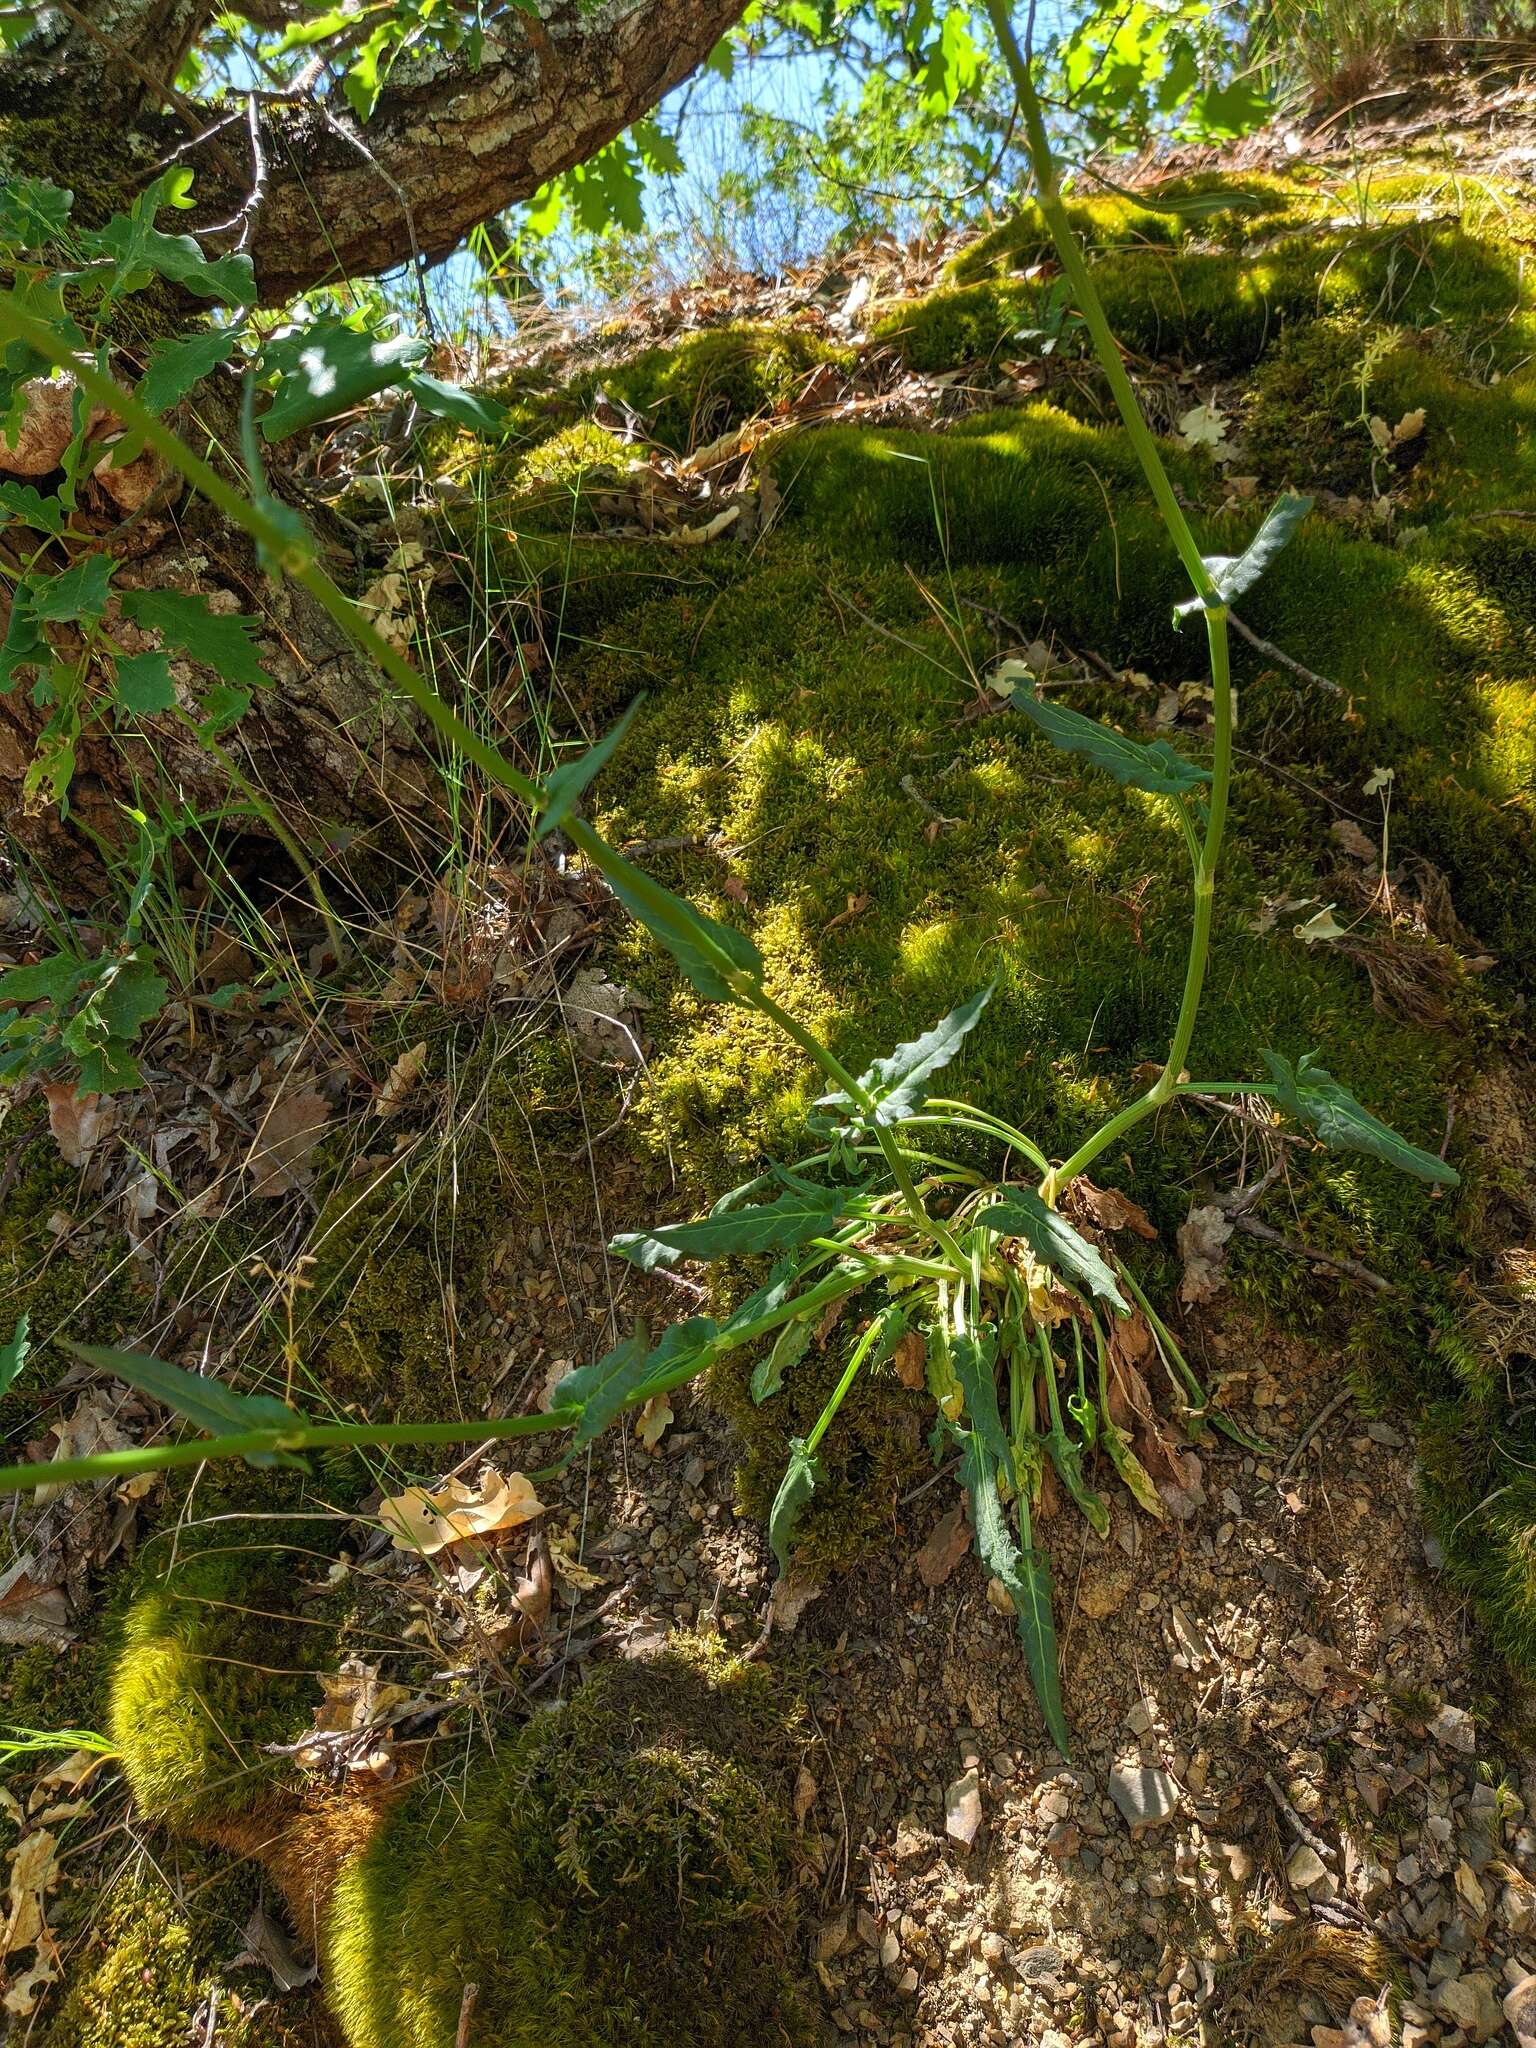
point(1273, 653)
point(466, 2014)
point(1323, 1415)
point(1351, 1267)
point(1288, 1812)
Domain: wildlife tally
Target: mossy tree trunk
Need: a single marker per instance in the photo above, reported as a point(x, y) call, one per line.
point(89, 100)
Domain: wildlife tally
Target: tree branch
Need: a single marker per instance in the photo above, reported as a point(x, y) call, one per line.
point(457, 144)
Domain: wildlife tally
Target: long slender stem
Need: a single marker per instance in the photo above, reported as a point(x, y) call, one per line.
point(307, 573)
point(1206, 853)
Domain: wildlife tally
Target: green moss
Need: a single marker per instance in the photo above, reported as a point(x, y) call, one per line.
point(78, 1283)
point(697, 389)
point(1103, 221)
point(208, 1668)
point(394, 1258)
point(618, 1876)
point(150, 1961)
point(1223, 309)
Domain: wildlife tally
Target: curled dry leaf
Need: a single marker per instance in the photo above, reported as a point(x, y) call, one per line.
point(806, 1789)
point(78, 1122)
point(910, 1359)
point(428, 1521)
point(563, 1555)
point(400, 1080)
point(280, 1153)
point(34, 1871)
point(1203, 1247)
point(1107, 1208)
point(654, 1420)
point(356, 1697)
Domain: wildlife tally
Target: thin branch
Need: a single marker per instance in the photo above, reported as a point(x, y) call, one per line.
point(1271, 652)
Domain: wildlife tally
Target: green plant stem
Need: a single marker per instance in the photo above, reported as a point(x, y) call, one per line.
point(850, 1373)
point(298, 1436)
point(966, 1116)
point(277, 541)
point(1085, 292)
point(884, 1136)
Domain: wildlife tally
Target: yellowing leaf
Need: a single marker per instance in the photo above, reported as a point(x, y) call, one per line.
point(562, 1555)
point(1321, 928)
point(653, 1420)
point(427, 1521)
point(1202, 427)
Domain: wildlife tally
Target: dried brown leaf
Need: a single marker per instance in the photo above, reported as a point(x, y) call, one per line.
point(945, 1549)
point(280, 1153)
point(400, 1080)
point(1203, 1247)
point(428, 1521)
point(78, 1122)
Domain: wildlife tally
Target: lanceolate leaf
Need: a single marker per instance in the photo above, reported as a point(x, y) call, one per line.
point(795, 1489)
point(1066, 1454)
point(563, 785)
point(13, 1356)
point(1154, 766)
point(220, 640)
point(632, 1370)
point(1312, 1095)
point(1027, 1576)
point(789, 1347)
point(329, 367)
point(768, 1226)
point(974, 1362)
point(897, 1082)
point(1233, 574)
point(215, 1408)
point(1021, 1213)
point(706, 950)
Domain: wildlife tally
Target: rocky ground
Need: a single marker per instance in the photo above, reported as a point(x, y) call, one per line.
point(1284, 1796)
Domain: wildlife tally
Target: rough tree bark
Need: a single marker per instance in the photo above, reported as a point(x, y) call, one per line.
point(449, 144)
point(89, 100)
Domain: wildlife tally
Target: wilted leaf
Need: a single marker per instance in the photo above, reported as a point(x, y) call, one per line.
point(281, 1151)
point(1203, 1247)
point(1322, 928)
point(795, 1489)
point(654, 1420)
point(400, 1080)
point(34, 1872)
point(428, 1520)
point(1108, 1208)
point(911, 1361)
point(78, 1122)
point(942, 1553)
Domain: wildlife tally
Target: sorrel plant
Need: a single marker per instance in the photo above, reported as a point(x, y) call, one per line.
point(1011, 1310)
